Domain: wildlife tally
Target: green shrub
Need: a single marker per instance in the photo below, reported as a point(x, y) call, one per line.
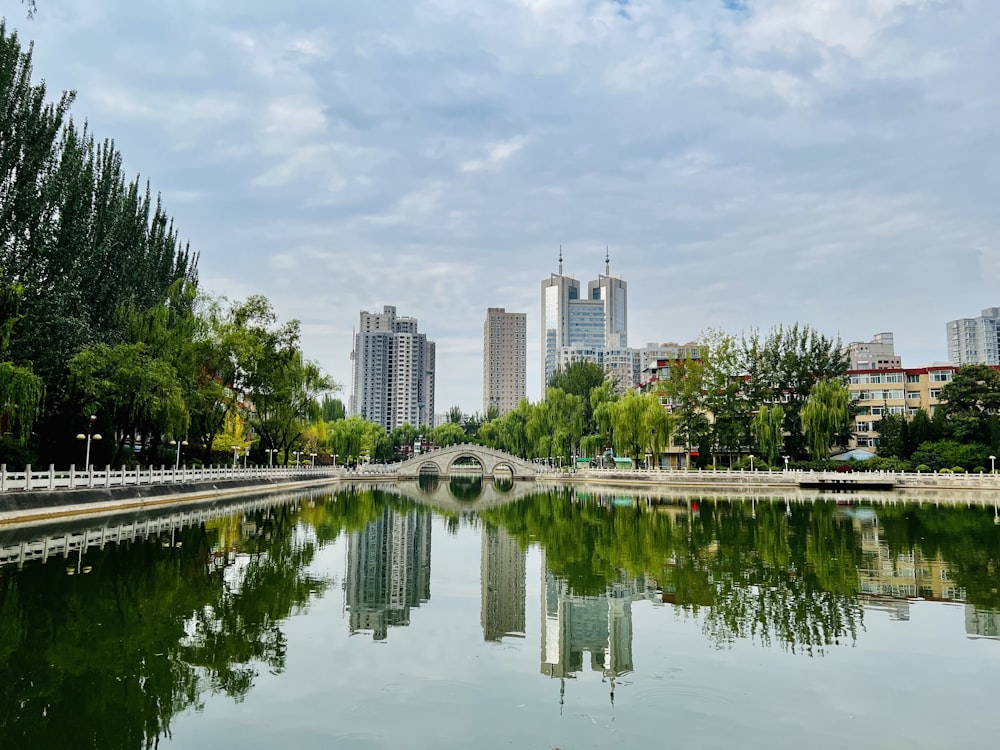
point(944, 470)
point(979, 470)
point(957, 470)
point(922, 468)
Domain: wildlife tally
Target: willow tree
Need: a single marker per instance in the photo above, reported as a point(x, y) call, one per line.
point(22, 393)
point(824, 414)
point(639, 424)
point(768, 428)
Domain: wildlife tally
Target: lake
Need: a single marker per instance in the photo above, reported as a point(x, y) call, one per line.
point(358, 618)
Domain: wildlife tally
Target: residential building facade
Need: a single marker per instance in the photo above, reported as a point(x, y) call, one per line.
point(975, 341)
point(504, 359)
point(877, 392)
point(394, 370)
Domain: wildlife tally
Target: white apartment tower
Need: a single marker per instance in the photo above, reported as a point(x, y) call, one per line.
point(504, 357)
point(597, 321)
point(975, 341)
point(393, 371)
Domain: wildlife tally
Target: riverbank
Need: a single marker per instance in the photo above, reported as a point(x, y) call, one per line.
point(46, 505)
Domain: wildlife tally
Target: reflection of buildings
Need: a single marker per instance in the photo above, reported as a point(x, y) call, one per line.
point(388, 571)
point(600, 625)
point(888, 582)
point(503, 585)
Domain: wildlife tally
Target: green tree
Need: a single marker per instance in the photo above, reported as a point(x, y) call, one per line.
point(824, 415)
point(768, 427)
point(894, 437)
point(971, 401)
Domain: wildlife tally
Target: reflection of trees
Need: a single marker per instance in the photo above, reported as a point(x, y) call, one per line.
point(780, 575)
point(465, 487)
point(110, 655)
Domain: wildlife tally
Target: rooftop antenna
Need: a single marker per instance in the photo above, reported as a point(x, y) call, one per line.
point(560, 259)
point(607, 261)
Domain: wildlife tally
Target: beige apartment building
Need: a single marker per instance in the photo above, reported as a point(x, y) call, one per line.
point(877, 392)
point(504, 357)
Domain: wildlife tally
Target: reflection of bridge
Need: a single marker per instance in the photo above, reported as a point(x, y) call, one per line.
point(455, 458)
point(440, 495)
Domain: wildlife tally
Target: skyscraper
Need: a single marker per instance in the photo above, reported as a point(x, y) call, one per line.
point(975, 341)
point(504, 356)
point(599, 321)
point(393, 371)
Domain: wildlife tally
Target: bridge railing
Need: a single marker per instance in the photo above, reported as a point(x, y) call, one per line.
point(50, 479)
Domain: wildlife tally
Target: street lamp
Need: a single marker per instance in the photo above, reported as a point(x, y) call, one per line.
point(993, 464)
point(177, 460)
point(786, 462)
point(270, 452)
point(246, 452)
point(236, 453)
point(296, 454)
point(335, 460)
point(91, 435)
point(313, 457)
point(751, 462)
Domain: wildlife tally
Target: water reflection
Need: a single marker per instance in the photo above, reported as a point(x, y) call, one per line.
point(388, 571)
point(163, 611)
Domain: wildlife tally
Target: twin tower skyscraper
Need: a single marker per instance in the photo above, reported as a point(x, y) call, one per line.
point(577, 326)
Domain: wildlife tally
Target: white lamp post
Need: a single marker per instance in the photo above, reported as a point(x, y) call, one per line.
point(993, 464)
point(91, 435)
point(786, 462)
point(236, 453)
point(270, 452)
point(177, 460)
point(313, 461)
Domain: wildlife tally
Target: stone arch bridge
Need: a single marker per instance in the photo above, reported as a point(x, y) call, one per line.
point(444, 463)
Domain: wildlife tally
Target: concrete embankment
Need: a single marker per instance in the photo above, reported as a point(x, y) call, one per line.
point(39, 505)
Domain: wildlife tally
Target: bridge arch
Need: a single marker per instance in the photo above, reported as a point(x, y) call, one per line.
point(445, 462)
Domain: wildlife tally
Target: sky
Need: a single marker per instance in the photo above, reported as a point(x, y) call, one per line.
point(747, 163)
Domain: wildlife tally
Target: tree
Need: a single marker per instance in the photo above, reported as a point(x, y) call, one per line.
point(332, 409)
point(894, 437)
point(824, 414)
point(768, 427)
point(971, 402)
point(21, 391)
point(783, 366)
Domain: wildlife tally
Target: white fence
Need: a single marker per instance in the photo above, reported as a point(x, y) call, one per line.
point(51, 479)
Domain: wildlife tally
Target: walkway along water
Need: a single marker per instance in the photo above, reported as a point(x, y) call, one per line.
point(30, 495)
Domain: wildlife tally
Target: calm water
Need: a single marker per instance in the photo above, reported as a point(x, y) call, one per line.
point(364, 620)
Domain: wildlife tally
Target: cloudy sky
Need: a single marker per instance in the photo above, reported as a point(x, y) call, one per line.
point(748, 162)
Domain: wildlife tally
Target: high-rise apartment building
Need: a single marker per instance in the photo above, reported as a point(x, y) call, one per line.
point(393, 371)
point(975, 341)
point(599, 320)
point(504, 357)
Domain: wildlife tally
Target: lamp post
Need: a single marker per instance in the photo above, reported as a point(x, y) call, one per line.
point(335, 460)
point(246, 452)
point(786, 462)
point(236, 453)
point(270, 453)
point(91, 435)
point(177, 460)
point(313, 457)
point(993, 464)
point(751, 462)
point(296, 454)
